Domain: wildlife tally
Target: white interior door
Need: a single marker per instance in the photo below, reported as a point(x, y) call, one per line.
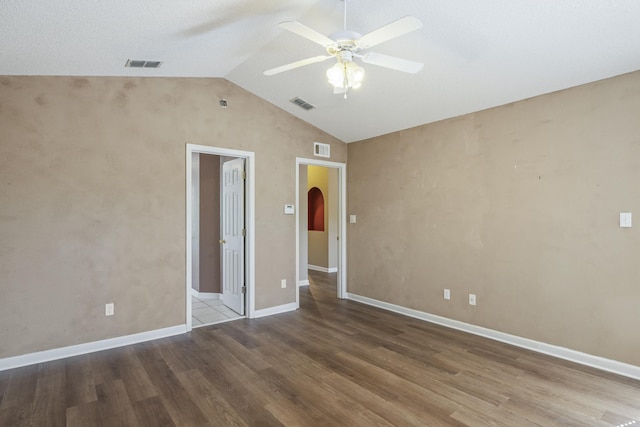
point(232, 235)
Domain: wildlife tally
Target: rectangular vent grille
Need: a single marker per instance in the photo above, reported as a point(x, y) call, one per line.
point(302, 103)
point(138, 63)
point(321, 150)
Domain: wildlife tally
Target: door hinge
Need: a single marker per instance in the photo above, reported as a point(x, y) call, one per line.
point(244, 289)
point(244, 175)
point(244, 232)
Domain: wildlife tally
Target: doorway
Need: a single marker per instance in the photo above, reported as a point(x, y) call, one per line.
point(339, 234)
point(246, 284)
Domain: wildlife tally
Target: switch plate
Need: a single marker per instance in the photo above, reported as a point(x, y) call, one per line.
point(109, 309)
point(289, 209)
point(447, 294)
point(625, 219)
point(352, 219)
point(472, 299)
point(283, 283)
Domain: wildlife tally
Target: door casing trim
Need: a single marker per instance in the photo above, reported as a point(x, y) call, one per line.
point(250, 243)
point(342, 222)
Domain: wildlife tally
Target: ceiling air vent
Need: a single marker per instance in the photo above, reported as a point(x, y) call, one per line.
point(138, 63)
point(321, 150)
point(302, 103)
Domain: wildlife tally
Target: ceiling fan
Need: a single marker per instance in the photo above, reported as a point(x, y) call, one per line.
point(346, 46)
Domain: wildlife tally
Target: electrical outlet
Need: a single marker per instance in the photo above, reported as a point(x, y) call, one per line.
point(109, 309)
point(472, 299)
point(283, 283)
point(447, 294)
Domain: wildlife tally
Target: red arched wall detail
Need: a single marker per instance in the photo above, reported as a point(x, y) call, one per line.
point(316, 210)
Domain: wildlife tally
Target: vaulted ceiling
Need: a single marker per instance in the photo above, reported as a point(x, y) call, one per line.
point(477, 53)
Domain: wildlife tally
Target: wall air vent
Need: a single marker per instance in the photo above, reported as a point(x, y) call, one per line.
point(302, 103)
point(138, 63)
point(321, 150)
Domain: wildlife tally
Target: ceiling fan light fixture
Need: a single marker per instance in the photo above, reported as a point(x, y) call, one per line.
point(345, 45)
point(355, 73)
point(336, 75)
point(345, 75)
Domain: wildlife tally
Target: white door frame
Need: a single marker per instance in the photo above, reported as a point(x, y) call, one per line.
point(250, 195)
point(342, 222)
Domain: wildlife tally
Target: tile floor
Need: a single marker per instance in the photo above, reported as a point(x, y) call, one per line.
point(209, 311)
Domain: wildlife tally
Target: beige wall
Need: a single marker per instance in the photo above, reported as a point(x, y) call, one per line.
point(209, 265)
point(333, 213)
point(92, 191)
point(318, 240)
point(518, 204)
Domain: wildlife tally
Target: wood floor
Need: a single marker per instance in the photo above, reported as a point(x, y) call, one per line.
point(331, 363)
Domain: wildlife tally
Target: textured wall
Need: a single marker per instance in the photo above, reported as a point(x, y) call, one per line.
point(209, 277)
point(518, 204)
point(92, 191)
point(333, 213)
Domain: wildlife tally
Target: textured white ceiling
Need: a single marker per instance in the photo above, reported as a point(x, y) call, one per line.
point(477, 54)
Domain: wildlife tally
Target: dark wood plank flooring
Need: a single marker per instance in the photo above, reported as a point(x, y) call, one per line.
point(331, 363)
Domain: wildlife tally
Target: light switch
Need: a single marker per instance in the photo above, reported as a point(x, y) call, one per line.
point(352, 219)
point(625, 219)
point(289, 210)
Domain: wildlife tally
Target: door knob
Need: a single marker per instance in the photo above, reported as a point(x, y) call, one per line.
point(222, 241)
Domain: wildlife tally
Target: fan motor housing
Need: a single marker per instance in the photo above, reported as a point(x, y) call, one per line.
point(345, 39)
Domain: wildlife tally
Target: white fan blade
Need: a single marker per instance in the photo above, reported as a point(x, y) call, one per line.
point(390, 31)
point(392, 62)
point(296, 64)
point(306, 32)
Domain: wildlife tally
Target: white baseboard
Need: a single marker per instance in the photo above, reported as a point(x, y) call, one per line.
point(323, 269)
point(598, 362)
point(275, 310)
point(303, 283)
point(90, 347)
point(205, 295)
